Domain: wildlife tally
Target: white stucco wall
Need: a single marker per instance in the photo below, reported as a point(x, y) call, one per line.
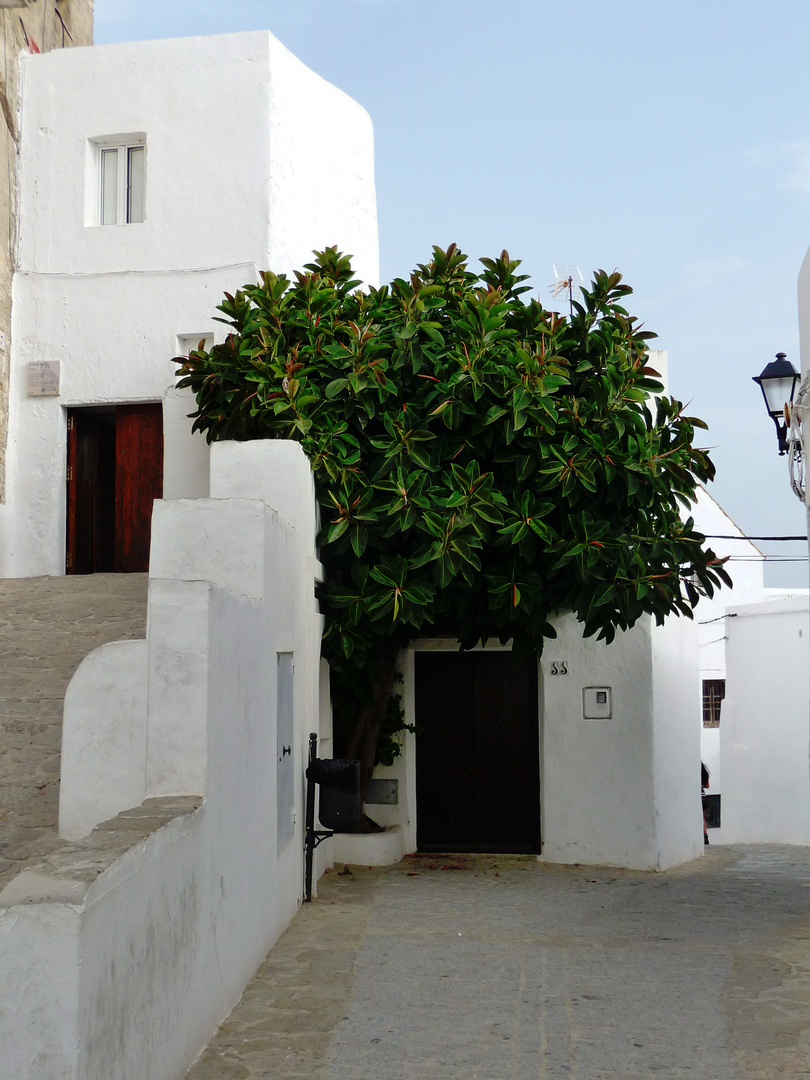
point(39, 953)
point(164, 940)
point(748, 588)
point(621, 791)
point(803, 291)
point(252, 161)
point(747, 576)
point(676, 742)
point(597, 783)
point(103, 766)
point(804, 349)
point(765, 727)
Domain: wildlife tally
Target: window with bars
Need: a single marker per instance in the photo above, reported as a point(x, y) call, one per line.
point(122, 181)
point(714, 690)
point(711, 808)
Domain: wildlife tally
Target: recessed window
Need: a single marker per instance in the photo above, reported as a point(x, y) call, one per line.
point(121, 182)
point(188, 343)
point(711, 808)
point(714, 690)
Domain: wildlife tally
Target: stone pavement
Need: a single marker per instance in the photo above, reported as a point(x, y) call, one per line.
point(47, 626)
point(503, 968)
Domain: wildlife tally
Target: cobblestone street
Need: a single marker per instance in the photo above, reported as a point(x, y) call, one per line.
point(502, 968)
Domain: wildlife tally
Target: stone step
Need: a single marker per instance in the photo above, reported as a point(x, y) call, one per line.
point(47, 626)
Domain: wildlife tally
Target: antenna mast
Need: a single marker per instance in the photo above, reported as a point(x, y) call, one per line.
point(564, 275)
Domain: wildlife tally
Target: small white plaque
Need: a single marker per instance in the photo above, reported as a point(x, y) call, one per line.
point(43, 378)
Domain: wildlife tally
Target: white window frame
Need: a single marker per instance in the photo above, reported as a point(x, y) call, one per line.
point(122, 213)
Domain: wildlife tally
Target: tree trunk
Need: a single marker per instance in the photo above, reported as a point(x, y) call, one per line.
point(362, 743)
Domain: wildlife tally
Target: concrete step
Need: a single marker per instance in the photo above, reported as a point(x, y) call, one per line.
point(47, 626)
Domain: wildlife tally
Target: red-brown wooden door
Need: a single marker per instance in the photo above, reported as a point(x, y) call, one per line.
point(138, 482)
point(477, 752)
point(114, 474)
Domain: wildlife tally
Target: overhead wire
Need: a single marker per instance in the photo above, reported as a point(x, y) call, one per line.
point(728, 536)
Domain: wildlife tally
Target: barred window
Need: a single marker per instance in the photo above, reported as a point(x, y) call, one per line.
point(714, 690)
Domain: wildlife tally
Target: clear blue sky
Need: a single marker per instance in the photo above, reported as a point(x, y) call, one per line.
point(670, 140)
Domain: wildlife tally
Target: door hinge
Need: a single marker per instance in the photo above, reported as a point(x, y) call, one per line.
point(69, 561)
point(71, 423)
point(69, 473)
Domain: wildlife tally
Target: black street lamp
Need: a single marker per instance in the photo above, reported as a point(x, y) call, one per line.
point(778, 384)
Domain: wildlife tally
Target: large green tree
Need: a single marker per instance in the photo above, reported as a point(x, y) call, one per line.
point(481, 462)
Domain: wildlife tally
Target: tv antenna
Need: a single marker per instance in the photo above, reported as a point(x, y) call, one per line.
point(564, 276)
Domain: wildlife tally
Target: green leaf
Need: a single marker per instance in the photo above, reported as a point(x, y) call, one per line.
point(479, 461)
point(335, 388)
point(337, 530)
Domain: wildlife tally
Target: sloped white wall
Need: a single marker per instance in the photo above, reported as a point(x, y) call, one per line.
point(131, 973)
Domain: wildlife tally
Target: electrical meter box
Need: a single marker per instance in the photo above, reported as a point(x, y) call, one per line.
point(597, 703)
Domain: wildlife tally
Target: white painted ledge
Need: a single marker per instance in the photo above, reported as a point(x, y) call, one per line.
point(370, 849)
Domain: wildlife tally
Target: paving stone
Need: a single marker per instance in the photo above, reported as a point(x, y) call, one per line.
point(510, 969)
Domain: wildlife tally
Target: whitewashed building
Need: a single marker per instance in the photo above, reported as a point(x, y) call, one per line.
point(746, 567)
point(215, 158)
point(153, 178)
point(755, 749)
point(611, 753)
point(765, 725)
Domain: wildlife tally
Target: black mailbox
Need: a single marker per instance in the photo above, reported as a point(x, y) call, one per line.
point(339, 806)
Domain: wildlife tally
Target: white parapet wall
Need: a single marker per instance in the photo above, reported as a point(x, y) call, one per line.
point(126, 971)
point(765, 726)
point(103, 767)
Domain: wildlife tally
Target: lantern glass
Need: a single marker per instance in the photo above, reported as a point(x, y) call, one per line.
point(778, 384)
point(777, 394)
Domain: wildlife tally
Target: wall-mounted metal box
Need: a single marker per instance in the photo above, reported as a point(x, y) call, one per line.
point(597, 703)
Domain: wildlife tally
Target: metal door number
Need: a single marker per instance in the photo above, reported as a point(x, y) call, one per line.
point(559, 667)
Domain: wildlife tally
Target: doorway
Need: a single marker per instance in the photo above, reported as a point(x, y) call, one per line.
point(114, 474)
point(477, 752)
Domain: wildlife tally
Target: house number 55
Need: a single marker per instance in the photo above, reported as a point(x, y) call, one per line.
point(559, 667)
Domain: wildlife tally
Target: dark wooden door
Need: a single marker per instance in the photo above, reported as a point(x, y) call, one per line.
point(90, 541)
point(477, 753)
point(138, 482)
point(114, 473)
